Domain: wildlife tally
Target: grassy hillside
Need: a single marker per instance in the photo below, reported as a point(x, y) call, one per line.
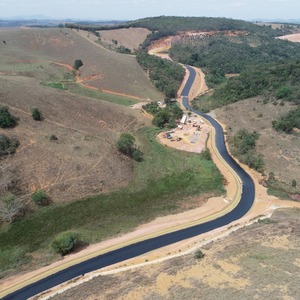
point(36, 52)
point(160, 185)
point(82, 161)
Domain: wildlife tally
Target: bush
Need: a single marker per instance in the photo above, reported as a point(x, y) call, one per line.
point(6, 119)
point(7, 145)
point(199, 254)
point(36, 115)
point(39, 197)
point(294, 183)
point(65, 242)
point(137, 155)
point(125, 144)
point(77, 64)
point(53, 137)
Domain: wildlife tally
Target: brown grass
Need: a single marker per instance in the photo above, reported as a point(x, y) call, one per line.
point(260, 261)
point(280, 151)
point(30, 51)
point(130, 38)
point(83, 160)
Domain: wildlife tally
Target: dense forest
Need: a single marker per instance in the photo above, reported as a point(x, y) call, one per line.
point(275, 82)
point(164, 74)
point(220, 55)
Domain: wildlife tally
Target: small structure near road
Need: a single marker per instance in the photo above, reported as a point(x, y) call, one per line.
point(191, 136)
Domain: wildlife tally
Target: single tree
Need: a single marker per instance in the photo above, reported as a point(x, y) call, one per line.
point(77, 64)
point(65, 242)
point(125, 144)
point(36, 115)
point(6, 119)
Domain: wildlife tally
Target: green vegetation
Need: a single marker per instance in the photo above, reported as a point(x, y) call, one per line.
point(53, 137)
point(56, 85)
point(164, 74)
point(220, 55)
point(79, 90)
point(125, 144)
point(10, 208)
point(160, 184)
point(164, 116)
point(77, 64)
point(6, 119)
point(7, 145)
point(198, 254)
point(39, 197)
point(36, 114)
point(64, 242)
point(243, 147)
point(165, 26)
point(288, 122)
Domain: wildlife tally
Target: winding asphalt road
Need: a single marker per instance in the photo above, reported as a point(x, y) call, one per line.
point(139, 248)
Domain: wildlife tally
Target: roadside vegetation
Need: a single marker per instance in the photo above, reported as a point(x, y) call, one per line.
point(243, 147)
point(161, 183)
point(164, 74)
point(166, 116)
point(276, 83)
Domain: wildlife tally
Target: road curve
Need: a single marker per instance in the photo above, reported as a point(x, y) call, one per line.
point(139, 248)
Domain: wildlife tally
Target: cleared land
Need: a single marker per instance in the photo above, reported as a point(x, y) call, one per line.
point(291, 37)
point(83, 160)
point(260, 261)
point(130, 38)
point(31, 52)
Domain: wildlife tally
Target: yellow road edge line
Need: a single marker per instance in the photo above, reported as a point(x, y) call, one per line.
point(78, 260)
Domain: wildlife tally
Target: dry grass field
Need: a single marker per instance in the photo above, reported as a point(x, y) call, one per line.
point(130, 38)
point(280, 151)
point(32, 52)
point(256, 262)
point(83, 160)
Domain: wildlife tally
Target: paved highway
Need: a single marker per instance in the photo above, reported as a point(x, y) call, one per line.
point(139, 248)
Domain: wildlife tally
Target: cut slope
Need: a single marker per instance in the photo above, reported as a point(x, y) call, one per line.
point(28, 49)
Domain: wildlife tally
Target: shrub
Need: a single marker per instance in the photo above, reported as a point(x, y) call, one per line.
point(199, 254)
point(36, 115)
point(39, 197)
point(64, 242)
point(294, 183)
point(125, 144)
point(6, 119)
point(7, 145)
point(53, 137)
point(77, 64)
point(137, 155)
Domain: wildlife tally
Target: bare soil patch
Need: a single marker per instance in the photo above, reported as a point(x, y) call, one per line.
point(291, 37)
point(188, 138)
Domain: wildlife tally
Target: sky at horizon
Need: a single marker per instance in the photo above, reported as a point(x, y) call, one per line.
point(135, 9)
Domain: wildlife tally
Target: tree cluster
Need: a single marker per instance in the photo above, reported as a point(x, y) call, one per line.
point(165, 75)
point(166, 116)
point(243, 147)
point(125, 144)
